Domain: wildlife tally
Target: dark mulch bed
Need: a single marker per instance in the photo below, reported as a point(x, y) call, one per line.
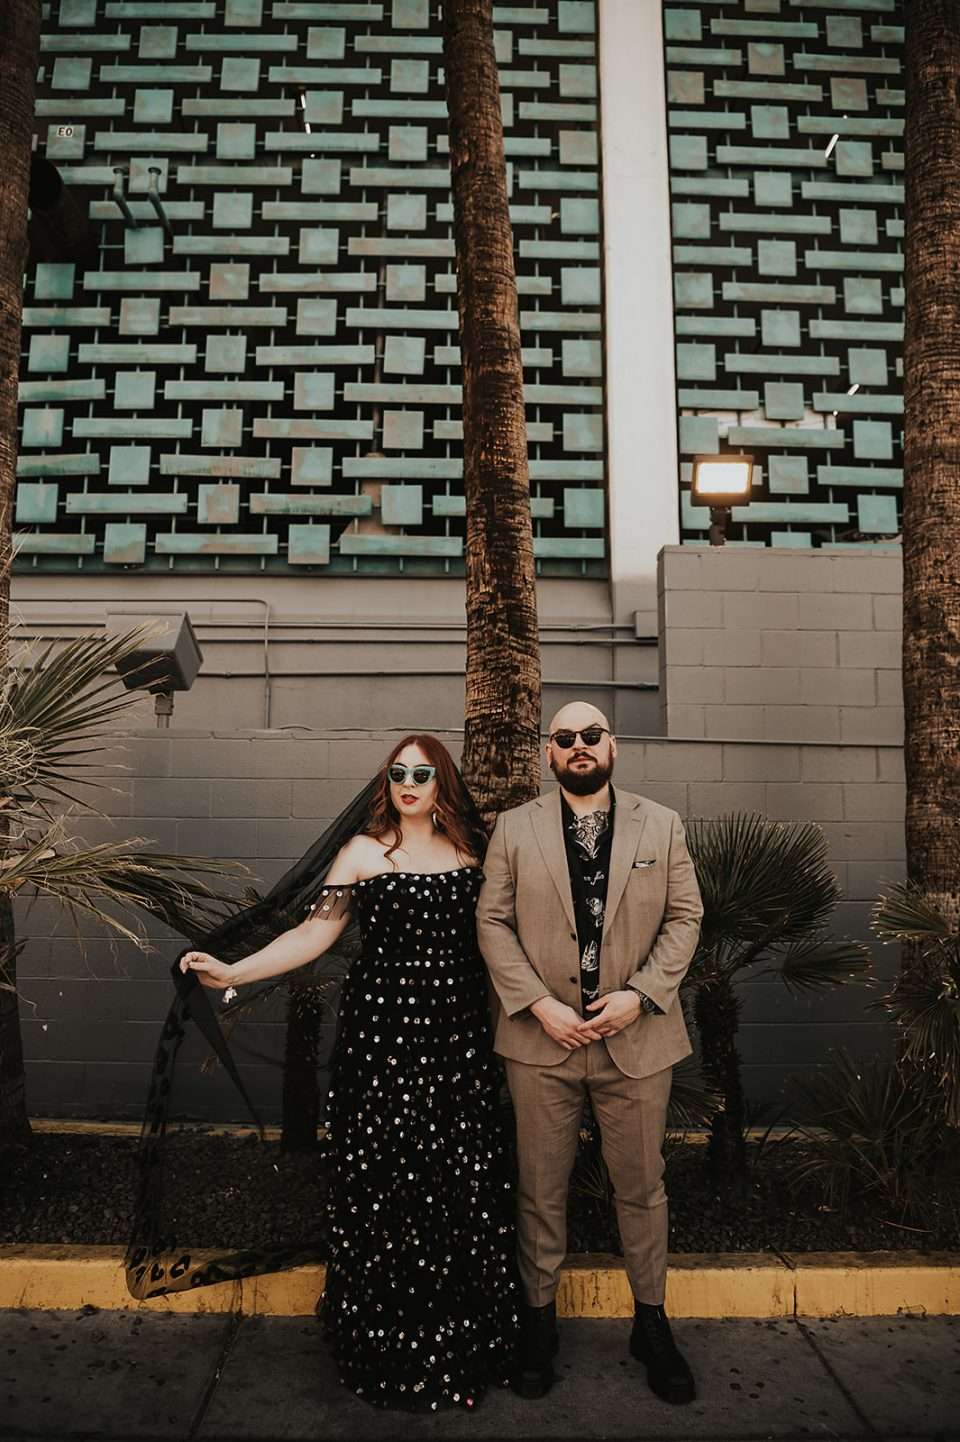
point(237, 1191)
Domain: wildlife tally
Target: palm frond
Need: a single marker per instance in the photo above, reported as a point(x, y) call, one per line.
point(692, 1100)
point(816, 963)
point(905, 913)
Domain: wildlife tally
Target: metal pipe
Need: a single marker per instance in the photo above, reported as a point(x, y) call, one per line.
point(153, 195)
point(118, 195)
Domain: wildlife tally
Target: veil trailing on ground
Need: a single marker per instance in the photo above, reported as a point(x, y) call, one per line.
point(187, 1196)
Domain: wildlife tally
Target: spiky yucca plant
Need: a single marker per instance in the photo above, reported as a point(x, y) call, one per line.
point(768, 894)
point(55, 709)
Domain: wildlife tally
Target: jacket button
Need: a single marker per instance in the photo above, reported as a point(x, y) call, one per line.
point(572, 978)
point(573, 936)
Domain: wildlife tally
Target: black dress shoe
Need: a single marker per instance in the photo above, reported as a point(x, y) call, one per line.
point(651, 1342)
point(533, 1375)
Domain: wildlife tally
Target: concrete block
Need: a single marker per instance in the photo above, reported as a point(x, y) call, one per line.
point(761, 763)
point(305, 756)
point(784, 570)
point(888, 612)
point(889, 688)
point(804, 801)
point(867, 574)
point(684, 720)
point(744, 611)
point(171, 797)
point(727, 568)
point(836, 686)
point(890, 764)
point(879, 649)
point(753, 686)
point(698, 684)
point(287, 838)
point(875, 841)
point(838, 763)
point(140, 755)
point(801, 723)
point(216, 756)
point(665, 793)
point(360, 759)
point(108, 795)
point(218, 838)
point(880, 724)
point(680, 569)
point(251, 798)
point(323, 798)
point(682, 761)
point(690, 609)
point(721, 798)
point(732, 648)
point(867, 879)
point(682, 647)
point(801, 648)
point(835, 613)
point(881, 801)
point(734, 723)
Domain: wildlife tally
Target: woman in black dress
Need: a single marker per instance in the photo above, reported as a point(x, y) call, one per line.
point(420, 1305)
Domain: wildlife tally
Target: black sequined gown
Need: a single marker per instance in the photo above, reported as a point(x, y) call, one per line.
point(421, 1296)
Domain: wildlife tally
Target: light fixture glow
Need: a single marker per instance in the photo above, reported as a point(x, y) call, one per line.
point(721, 480)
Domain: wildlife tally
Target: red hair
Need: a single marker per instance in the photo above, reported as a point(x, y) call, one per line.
point(454, 813)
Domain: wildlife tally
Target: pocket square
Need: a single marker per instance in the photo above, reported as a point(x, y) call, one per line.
point(640, 865)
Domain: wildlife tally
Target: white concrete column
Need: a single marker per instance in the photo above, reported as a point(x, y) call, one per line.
point(638, 278)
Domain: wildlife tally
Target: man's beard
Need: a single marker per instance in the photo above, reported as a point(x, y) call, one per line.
point(583, 783)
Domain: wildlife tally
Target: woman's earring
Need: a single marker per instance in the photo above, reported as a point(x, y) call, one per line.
point(436, 821)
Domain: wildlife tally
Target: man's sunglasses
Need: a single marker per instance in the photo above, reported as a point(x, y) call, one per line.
point(419, 775)
point(590, 737)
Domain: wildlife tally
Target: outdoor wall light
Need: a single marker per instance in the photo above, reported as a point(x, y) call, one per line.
point(721, 482)
point(167, 659)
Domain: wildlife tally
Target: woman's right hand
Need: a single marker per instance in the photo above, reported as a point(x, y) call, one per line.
point(210, 972)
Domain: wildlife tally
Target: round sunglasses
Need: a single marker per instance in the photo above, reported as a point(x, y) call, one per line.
point(419, 775)
point(590, 736)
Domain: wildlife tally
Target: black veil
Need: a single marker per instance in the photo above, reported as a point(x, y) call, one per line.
point(159, 1257)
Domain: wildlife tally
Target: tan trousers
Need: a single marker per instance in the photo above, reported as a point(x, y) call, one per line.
point(631, 1113)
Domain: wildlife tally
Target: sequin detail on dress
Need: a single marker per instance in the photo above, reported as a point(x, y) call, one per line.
point(421, 1298)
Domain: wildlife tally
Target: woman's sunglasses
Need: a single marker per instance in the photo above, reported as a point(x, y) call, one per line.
point(565, 739)
point(419, 775)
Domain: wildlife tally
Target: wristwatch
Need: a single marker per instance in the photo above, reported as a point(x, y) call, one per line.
point(647, 1004)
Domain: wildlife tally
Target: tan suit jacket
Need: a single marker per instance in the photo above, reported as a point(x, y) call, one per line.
point(528, 937)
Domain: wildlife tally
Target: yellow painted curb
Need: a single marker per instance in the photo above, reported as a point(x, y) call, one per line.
point(592, 1285)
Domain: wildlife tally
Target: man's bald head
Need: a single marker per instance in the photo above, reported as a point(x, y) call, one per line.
point(577, 714)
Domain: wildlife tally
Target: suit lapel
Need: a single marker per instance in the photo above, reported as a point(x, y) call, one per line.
point(548, 829)
point(627, 829)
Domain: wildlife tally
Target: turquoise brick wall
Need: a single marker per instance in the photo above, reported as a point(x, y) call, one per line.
point(786, 160)
point(277, 385)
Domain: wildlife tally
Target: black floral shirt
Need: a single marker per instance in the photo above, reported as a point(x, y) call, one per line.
point(588, 840)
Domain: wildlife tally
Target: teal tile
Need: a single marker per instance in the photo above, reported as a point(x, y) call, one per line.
point(406, 212)
point(773, 188)
point(153, 107)
point(140, 315)
point(37, 503)
point(410, 77)
point(873, 440)
point(313, 391)
point(848, 93)
point(229, 281)
point(401, 505)
point(780, 327)
point(404, 355)
point(143, 246)
point(764, 58)
point(868, 367)
point(407, 142)
point(311, 466)
point(54, 280)
point(134, 390)
point(699, 435)
point(696, 362)
point(326, 42)
point(685, 87)
point(317, 317)
point(582, 358)
point(240, 74)
point(323, 107)
point(410, 14)
point(797, 540)
point(78, 13)
point(788, 475)
point(845, 32)
point(236, 140)
point(862, 296)
point(124, 543)
point(858, 227)
point(308, 545)
point(580, 285)
point(225, 354)
point(42, 427)
point(682, 24)
point(222, 428)
point(49, 354)
point(65, 142)
point(582, 431)
point(576, 17)
point(321, 177)
point(71, 72)
point(403, 430)
point(579, 215)
point(578, 82)
point(691, 220)
point(319, 246)
point(783, 401)
point(578, 147)
point(777, 257)
point(157, 42)
point(688, 152)
point(693, 290)
point(406, 283)
point(241, 14)
point(770, 122)
point(854, 157)
point(129, 466)
point(232, 210)
point(583, 509)
point(877, 515)
point(218, 504)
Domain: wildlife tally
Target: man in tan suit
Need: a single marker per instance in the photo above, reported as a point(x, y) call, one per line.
point(588, 919)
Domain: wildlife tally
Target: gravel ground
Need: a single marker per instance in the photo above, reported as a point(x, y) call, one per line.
point(236, 1191)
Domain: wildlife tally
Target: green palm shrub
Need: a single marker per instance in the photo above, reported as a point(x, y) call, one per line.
point(56, 708)
point(768, 895)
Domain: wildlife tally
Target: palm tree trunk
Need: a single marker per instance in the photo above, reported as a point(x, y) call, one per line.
point(19, 57)
point(717, 1014)
point(501, 758)
point(931, 510)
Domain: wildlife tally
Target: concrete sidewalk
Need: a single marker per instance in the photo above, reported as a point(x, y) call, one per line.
point(109, 1375)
